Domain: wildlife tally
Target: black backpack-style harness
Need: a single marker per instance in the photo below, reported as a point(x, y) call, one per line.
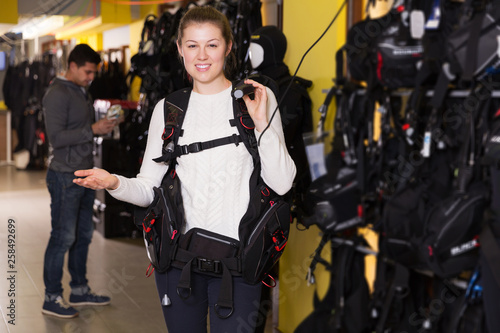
point(263, 229)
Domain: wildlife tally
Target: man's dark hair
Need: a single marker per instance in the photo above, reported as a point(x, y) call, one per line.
point(83, 53)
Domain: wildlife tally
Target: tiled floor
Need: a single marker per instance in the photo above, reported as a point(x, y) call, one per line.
point(116, 267)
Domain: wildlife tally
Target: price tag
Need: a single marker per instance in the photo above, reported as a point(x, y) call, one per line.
point(426, 149)
point(417, 24)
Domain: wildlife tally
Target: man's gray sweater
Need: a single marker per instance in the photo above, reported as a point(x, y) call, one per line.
point(69, 115)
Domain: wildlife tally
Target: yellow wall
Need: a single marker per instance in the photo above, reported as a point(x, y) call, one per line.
point(113, 13)
point(145, 10)
point(93, 40)
point(8, 13)
point(303, 24)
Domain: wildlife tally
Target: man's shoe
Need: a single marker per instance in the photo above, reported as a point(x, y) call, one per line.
point(58, 308)
point(89, 298)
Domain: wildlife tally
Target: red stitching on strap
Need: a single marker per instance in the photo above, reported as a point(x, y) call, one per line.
point(163, 135)
point(241, 121)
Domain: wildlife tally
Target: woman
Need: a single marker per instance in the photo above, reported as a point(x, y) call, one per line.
point(215, 182)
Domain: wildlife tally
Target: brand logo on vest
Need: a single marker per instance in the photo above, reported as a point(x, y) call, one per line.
point(465, 247)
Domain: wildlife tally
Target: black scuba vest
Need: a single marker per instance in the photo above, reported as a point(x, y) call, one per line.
point(263, 229)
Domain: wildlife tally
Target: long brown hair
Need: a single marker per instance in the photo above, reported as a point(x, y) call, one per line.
point(208, 14)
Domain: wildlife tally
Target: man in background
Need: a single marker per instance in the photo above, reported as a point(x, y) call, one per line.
point(69, 117)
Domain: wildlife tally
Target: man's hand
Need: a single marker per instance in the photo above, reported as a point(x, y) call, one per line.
point(103, 126)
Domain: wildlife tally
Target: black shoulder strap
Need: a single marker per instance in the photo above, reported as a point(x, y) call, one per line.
point(175, 107)
point(245, 125)
point(174, 110)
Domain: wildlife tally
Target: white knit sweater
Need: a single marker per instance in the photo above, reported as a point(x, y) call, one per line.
point(215, 182)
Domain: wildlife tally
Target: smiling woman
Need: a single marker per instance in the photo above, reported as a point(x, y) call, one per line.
point(215, 187)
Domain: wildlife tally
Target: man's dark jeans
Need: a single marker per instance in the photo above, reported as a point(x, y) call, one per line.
point(72, 228)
